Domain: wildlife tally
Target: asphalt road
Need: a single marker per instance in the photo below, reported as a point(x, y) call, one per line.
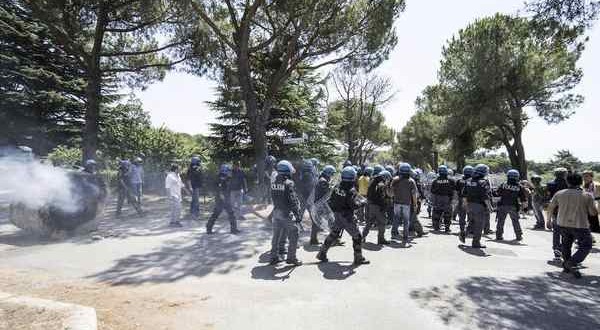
point(226, 283)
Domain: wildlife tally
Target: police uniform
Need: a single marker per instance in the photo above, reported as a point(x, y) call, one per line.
point(477, 192)
point(415, 224)
point(377, 200)
point(511, 195)
point(124, 189)
point(343, 202)
point(442, 189)
point(321, 191)
point(285, 204)
point(461, 209)
point(222, 202)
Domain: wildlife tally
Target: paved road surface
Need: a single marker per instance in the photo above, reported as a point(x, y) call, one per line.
point(223, 281)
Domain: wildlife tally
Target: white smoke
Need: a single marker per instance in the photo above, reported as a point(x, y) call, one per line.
point(36, 184)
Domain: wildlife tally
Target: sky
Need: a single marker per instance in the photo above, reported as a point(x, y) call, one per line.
point(179, 101)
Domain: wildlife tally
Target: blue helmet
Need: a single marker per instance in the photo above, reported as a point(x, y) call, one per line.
point(307, 165)
point(443, 170)
point(315, 162)
point(377, 169)
point(369, 171)
point(482, 170)
point(468, 170)
point(225, 169)
point(385, 174)
point(348, 174)
point(513, 175)
point(285, 167)
point(124, 164)
point(195, 160)
point(405, 169)
point(90, 162)
point(328, 171)
point(347, 163)
point(390, 169)
point(270, 160)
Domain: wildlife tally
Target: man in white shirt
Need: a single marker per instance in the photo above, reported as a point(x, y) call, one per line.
point(173, 184)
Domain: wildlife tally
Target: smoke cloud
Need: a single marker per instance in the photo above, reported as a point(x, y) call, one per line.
point(35, 184)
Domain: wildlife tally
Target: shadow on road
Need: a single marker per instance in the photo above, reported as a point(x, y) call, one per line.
point(272, 273)
point(555, 301)
point(473, 251)
point(193, 255)
point(335, 270)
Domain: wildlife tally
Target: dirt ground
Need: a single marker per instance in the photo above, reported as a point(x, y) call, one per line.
point(117, 308)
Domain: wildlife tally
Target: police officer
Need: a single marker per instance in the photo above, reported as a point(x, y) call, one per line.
point(306, 186)
point(538, 201)
point(511, 194)
point(195, 179)
point(343, 202)
point(559, 183)
point(285, 205)
point(377, 197)
point(223, 201)
point(322, 192)
point(123, 190)
point(377, 169)
point(415, 224)
point(477, 199)
point(461, 207)
point(442, 189)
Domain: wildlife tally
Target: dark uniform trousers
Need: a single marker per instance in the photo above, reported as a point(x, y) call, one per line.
point(348, 223)
point(477, 215)
point(220, 206)
point(503, 212)
point(442, 209)
point(377, 219)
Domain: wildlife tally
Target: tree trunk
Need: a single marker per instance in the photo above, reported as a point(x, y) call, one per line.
point(519, 149)
point(435, 160)
point(92, 115)
point(521, 161)
point(93, 89)
point(460, 162)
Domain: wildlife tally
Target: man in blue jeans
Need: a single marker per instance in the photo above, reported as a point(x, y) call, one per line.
point(195, 179)
point(404, 191)
point(574, 206)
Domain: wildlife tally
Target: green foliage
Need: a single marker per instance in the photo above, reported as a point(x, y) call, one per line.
point(126, 133)
point(497, 67)
point(419, 140)
point(564, 158)
point(41, 89)
point(65, 156)
point(498, 163)
point(297, 112)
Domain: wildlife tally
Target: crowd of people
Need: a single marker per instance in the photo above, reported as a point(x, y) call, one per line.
point(382, 196)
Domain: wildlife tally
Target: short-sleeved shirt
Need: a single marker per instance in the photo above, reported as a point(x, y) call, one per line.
point(363, 185)
point(173, 184)
point(403, 190)
point(574, 207)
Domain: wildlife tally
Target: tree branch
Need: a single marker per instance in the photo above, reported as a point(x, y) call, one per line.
point(143, 52)
point(143, 67)
point(198, 8)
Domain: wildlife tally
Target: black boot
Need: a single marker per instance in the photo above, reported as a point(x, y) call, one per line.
point(360, 260)
point(322, 256)
point(461, 237)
